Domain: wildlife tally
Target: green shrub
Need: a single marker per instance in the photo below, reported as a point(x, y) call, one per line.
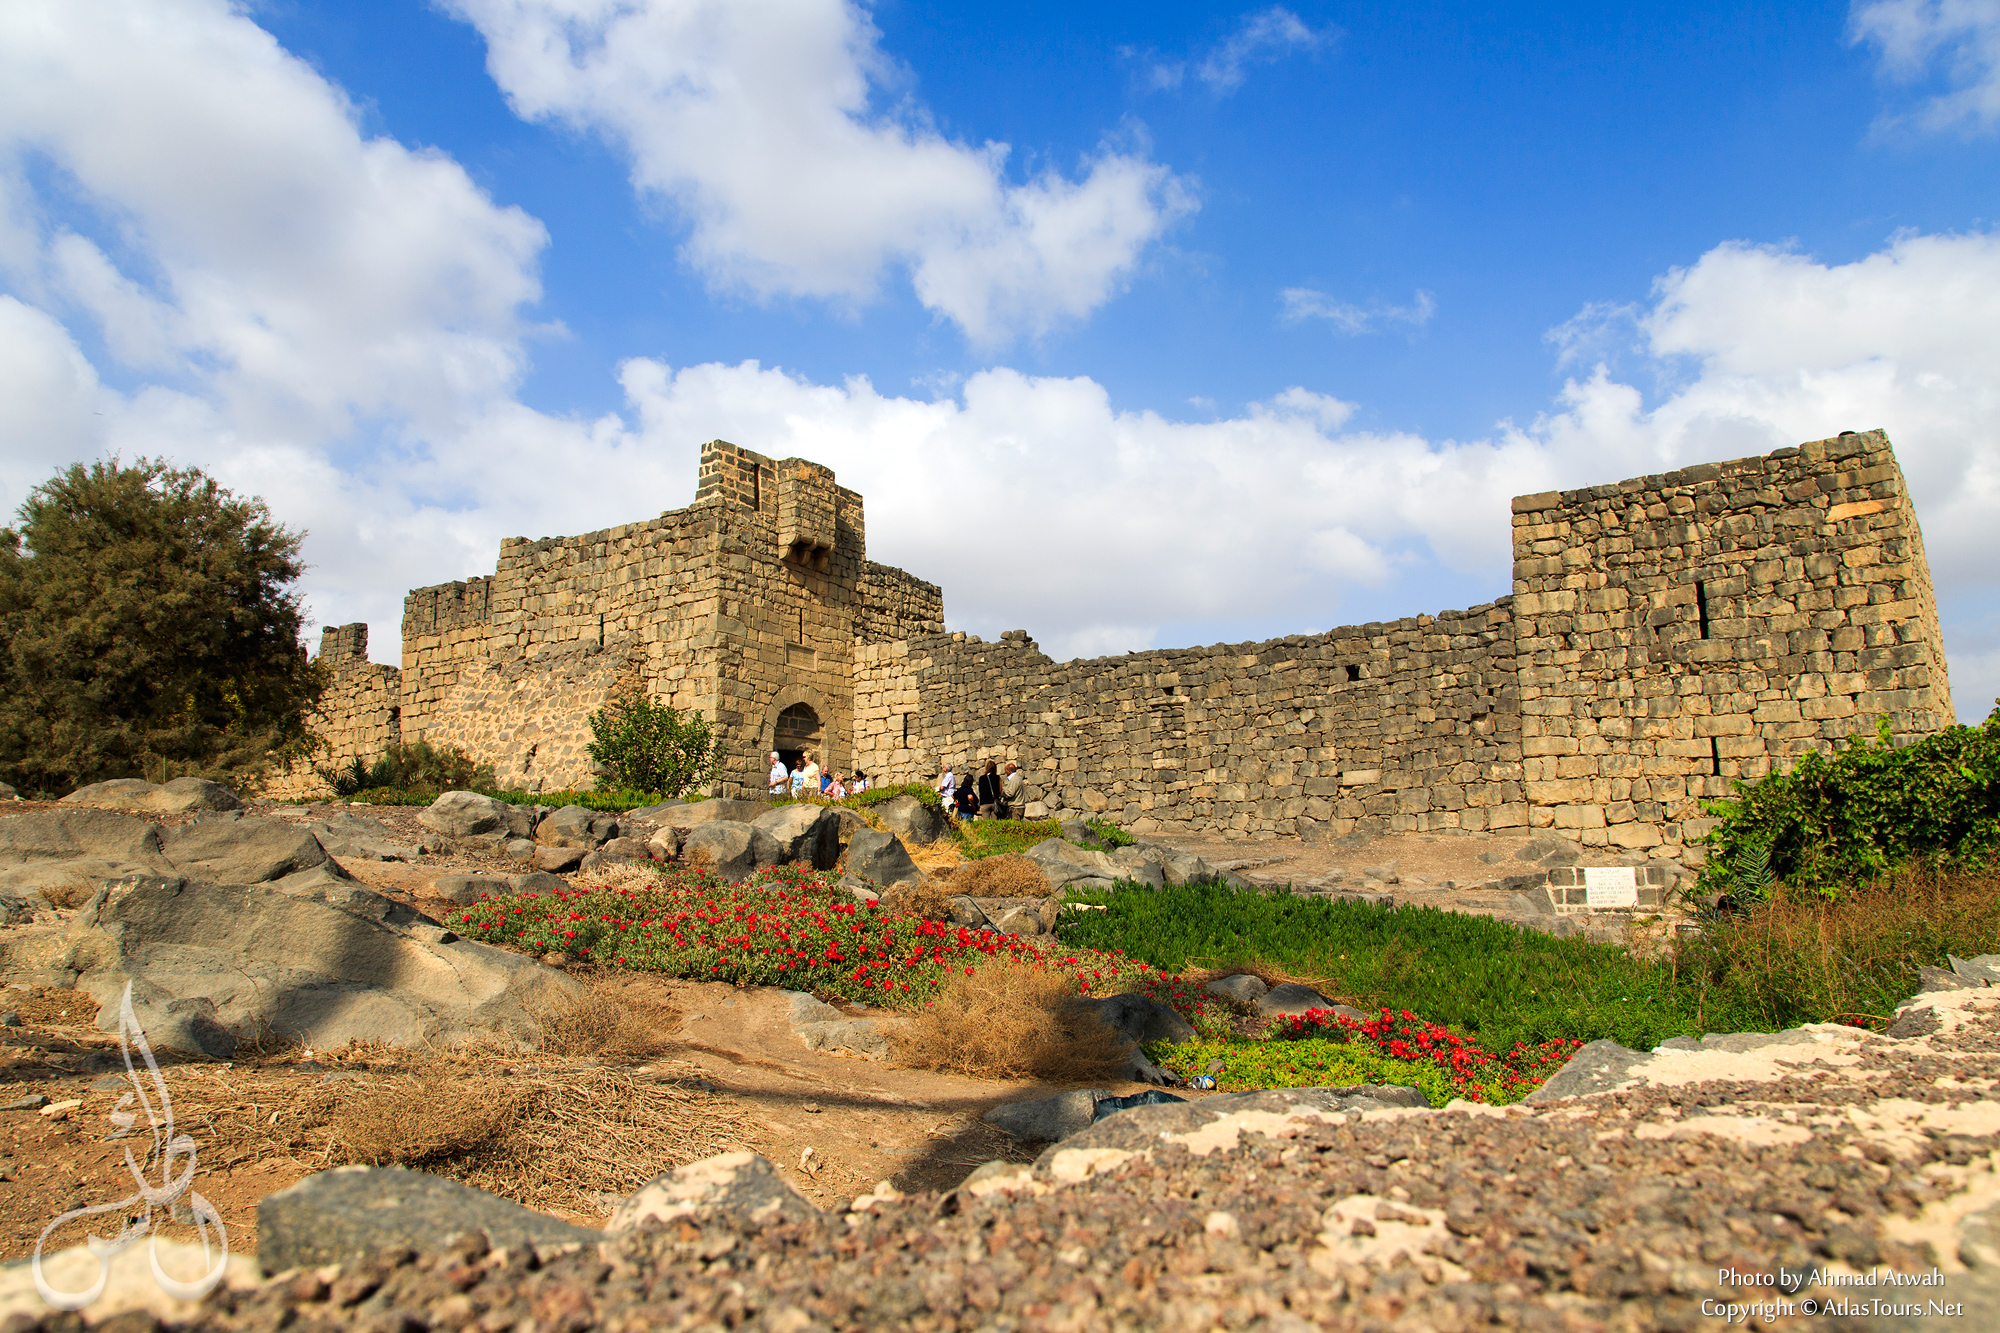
point(416, 767)
point(1832, 822)
point(1110, 834)
point(649, 746)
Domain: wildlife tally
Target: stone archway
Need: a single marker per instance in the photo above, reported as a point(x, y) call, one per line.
point(800, 718)
point(796, 731)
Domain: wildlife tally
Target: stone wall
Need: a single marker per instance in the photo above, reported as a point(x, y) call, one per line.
point(1407, 726)
point(1678, 632)
point(358, 716)
point(1666, 635)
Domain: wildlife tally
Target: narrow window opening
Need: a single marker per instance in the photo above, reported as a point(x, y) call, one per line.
point(1170, 689)
point(802, 625)
point(600, 631)
point(1714, 757)
point(906, 731)
point(1353, 672)
point(756, 488)
point(1701, 606)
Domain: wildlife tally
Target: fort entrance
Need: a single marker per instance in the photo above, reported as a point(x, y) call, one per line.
point(796, 732)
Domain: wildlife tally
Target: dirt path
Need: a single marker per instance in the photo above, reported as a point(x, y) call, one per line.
point(834, 1126)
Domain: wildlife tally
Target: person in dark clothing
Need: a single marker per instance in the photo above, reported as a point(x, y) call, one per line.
point(967, 801)
point(988, 788)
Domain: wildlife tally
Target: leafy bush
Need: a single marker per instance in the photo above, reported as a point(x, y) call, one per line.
point(416, 767)
point(149, 627)
point(649, 746)
point(1312, 1063)
point(1832, 822)
point(1110, 834)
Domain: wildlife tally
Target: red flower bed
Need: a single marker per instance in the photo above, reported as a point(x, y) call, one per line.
point(788, 927)
point(1404, 1036)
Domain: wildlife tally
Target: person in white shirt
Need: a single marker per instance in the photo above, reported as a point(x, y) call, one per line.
point(859, 785)
point(947, 788)
point(810, 781)
point(799, 781)
point(780, 779)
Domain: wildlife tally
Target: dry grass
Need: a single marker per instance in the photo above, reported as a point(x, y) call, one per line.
point(940, 855)
point(929, 900)
point(1009, 876)
point(1009, 1020)
point(616, 1015)
point(547, 1129)
point(1804, 958)
point(70, 893)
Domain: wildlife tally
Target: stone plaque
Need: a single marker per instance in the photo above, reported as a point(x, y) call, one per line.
point(1610, 886)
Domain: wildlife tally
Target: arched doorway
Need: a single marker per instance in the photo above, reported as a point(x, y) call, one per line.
point(796, 731)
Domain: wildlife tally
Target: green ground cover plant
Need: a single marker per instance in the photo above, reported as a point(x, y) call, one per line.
point(1311, 1063)
point(1482, 977)
point(1835, 821)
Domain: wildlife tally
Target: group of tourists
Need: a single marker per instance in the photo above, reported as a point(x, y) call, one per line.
point(991, 795)
point(808, 779)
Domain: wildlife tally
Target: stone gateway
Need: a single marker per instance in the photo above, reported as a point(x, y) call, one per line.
point(1665, 636)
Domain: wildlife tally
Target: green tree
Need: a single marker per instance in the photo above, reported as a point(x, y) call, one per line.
point(651, 747)
point(148, 628)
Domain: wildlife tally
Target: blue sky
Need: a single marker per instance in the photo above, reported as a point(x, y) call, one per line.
point(1138, 325)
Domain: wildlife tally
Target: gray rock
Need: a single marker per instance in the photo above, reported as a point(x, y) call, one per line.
point(857, 886)
point(1183, 869)
point(1386, 872)
point(1739, 1042)
point(654, 811)
point(175, 798)
point(1025, 921)
point(917, 824)
point(1242, 988)
point(7, 793)
point(1917, 1021)
point(1065, 862)
point(864, 1037)
point(1981, 971)
point(806, 834)
point(666, 844)
point(965, 912)
point(536, 881)
point(230, 849)
point(1150, 1128)
point(1139, 1018)
point(343, 1214)
point(1141, 865)
point(1108, 1106)
point(351, 837)
point(310, 957)
point(1598, 1067)
point(1679, 1044)
point(705, 812)
point(882, 858)
point(1079, 831)
point(464, 890)
point(1047, 1119)
point(34, 1101)
point(518, 849)
point(558, 860)
point(740, 1184)
point(523, 820)
point(727, 849)
point(1310, 830)
point(69, 854)
point(1291, 999)
point(467, 814)
point(619, 851)
point(1938, 979)
point(576, 826)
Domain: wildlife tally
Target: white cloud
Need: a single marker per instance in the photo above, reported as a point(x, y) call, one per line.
point(335, 323)
point(1303, 303)
point(758, 120)
point(1961, 36)
point(1262, 38)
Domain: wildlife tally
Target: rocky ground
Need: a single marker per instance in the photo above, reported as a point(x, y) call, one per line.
point(1828, 1178)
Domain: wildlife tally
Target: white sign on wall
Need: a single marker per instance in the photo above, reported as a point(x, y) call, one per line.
point(1610, 886)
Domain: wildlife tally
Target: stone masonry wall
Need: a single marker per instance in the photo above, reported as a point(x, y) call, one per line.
point(1407, 726)
point(357, 717)
point(1678, 632)
point(896, 605)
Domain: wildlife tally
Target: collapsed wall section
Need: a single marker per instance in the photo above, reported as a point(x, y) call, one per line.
point(1408, 726)
point(1679, 632)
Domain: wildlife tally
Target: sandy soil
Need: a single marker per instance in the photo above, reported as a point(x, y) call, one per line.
point(835, 1126)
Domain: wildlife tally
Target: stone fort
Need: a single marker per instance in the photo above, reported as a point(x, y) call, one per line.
point(1665, 636)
